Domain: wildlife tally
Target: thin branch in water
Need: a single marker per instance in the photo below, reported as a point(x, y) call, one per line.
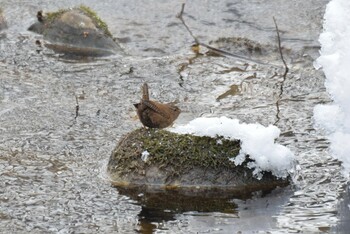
point(286, 69)
point(278, 111)
point(76, 107)
point(179, 16)
point(280, 49)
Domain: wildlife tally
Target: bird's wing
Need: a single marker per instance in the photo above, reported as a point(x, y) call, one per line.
point(152, 106)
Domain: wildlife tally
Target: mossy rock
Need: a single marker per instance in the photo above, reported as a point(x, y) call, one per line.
point(190, 163)
point(76, 31)
point(3, 23)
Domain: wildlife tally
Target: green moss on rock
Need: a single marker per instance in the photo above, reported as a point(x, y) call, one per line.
point(188, 151)
point(76, 31)
point(99, 23)
point(173, 151)
point(51, 16)
point(97, 20)
point(183, 161)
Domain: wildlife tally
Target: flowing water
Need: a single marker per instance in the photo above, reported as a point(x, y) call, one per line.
point(53, 157)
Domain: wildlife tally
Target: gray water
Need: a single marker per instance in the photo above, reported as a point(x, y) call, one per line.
point(53, 165)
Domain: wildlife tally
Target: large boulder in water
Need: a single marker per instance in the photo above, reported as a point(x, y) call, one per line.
point(153, 159)
point(76, 31)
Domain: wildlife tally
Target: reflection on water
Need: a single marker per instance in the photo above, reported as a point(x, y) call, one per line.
point(343, 212)
point(52, 163)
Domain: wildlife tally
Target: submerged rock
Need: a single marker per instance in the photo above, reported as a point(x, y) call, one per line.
point(3, 23)
point(249, 49)
point(75, 31)
point(158, 159)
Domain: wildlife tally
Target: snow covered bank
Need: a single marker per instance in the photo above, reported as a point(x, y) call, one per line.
point(256, 140)
point(335, 61)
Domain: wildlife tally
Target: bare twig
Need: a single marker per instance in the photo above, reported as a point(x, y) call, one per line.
point(76, 107)
point(286, 69)
point(184, 23)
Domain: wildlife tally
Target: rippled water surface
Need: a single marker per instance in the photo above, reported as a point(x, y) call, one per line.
point(53, 164)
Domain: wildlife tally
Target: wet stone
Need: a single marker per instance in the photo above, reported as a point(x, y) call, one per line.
point(157, 159)
point(251, 49)
point(76, 31)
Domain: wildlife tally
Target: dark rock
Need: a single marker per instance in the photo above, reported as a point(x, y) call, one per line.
point(76, 31)
point(183, 162)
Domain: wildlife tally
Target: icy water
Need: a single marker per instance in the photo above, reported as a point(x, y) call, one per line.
point(53, 164)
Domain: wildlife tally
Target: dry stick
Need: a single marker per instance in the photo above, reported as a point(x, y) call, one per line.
point(215, 50)
point(184, 23)
point(76, 108)
point(286, 69)
point(280, 49)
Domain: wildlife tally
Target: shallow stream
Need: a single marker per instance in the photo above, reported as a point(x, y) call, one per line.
point(53, 163)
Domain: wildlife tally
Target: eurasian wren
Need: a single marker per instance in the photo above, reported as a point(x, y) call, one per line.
point(153, 114)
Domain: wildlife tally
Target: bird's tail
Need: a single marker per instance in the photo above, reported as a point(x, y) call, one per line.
point(145, 94)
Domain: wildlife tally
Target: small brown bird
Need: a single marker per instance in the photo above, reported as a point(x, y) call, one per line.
point(153, 114)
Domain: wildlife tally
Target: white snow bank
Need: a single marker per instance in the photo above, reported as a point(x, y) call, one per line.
point(256, 140)
point(335, 61)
